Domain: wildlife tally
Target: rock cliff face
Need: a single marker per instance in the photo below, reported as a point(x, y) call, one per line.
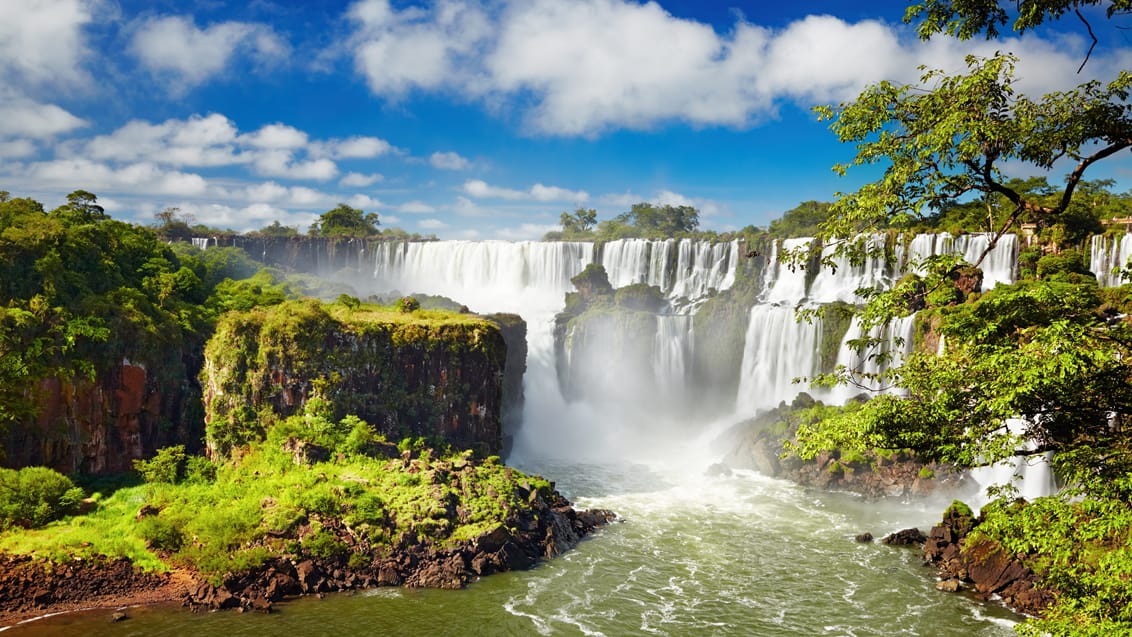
point(100, 426)
point(405, 375)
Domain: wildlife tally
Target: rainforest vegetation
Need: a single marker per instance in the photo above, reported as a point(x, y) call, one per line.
point(1050, 354)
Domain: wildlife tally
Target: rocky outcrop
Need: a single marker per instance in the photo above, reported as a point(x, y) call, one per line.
point(408, 377)
point(544, 529)
point(981, 565)
point(757, 444)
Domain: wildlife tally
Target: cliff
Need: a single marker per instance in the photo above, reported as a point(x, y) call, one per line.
point(422, 374)
point(100, 425)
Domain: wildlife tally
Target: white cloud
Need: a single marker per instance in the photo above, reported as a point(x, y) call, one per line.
point(16, 148)
point(196, 141)
point(467, 208)
point(23, 117)
point(359, 148)
point(416, 208)
point(588, 66)
point(251, 217)
point(276, 137)
point(364, 202)
point(482, 190)
point(431, 224)
point(358, 180)
point(282, 163)
point(42, 41)
point(142, 177)
point(415, 47)
point(448, 161)
point(174, 45)
point(389, 220)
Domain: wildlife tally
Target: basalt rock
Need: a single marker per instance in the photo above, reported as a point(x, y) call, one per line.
point(982, 565)
point(547, 528)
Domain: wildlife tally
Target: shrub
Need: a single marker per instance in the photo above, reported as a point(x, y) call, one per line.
point(167, 466)
point(33, 496)
point(407, 304)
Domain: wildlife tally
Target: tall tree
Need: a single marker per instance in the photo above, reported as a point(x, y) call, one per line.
point(345, 221)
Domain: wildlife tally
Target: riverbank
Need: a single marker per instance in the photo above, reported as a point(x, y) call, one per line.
point(35, 587)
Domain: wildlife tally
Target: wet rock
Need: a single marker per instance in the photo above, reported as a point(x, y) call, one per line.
point(864, 538)
point(950, 585)
point(905, 537)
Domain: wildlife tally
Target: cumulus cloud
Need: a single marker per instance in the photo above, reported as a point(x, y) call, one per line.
point(482, 190)
point(415, 47)
point(358, 148)
point(276, 137)
point(526, 231)
point(23, 117)
point(176, 46)
point(589, 66)
point(16, 148)
point(196, 141)
point(448, 161)
point(42, 41)
point(142, 177)
point(359, 180)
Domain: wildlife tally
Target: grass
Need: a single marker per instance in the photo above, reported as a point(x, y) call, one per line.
point(266, 506)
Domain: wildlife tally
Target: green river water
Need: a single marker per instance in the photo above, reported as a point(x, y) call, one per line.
point(692, 555)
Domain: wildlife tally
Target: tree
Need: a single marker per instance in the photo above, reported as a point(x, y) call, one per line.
point(345, 221)
point(174, 225)
point(578, 224)
point(277, 229)
point(1043, 352)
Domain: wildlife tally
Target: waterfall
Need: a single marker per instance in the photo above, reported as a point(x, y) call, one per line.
point(201, 242)
point(1107, 255)
point(778, 349)
point(672, 352)
point(1032, 475)
point(696, 266)
point(782, 282)
point(840, 282)
point(1000, 265)
point(487, 276)
point(893, 344)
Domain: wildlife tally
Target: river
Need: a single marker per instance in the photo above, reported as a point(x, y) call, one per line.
point(691, 555)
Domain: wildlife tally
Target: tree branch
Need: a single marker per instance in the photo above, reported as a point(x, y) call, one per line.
point(1092, 35)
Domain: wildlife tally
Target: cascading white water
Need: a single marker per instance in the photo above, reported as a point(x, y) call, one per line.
point(1031, 475)
point(840, 282)
point(201, 242)
point(1107, 255)
point(784, 282)
point(893, 345)
point(778, 349)
point(672, 353)
point(696, 266)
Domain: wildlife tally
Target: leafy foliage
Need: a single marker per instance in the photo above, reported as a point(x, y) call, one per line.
point(33, 496)
point(345, 221)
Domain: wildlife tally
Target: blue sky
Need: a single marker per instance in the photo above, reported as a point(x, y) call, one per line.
point(463, 118)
